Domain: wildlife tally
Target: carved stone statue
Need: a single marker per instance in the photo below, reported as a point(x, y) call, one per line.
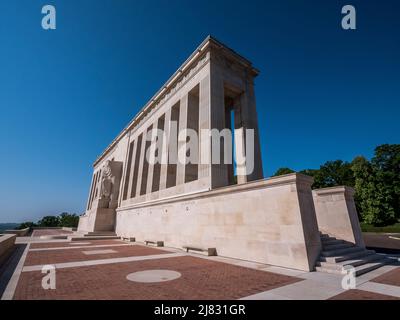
point(106, 181)
point(109, 184)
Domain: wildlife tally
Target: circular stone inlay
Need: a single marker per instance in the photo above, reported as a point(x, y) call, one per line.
point(153, 276)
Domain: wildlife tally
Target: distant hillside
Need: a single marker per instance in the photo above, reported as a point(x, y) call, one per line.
point(7, 226)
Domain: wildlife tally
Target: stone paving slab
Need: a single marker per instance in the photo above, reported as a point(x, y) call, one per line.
point(98, 252)
point(303, 290)
point(381, 288)
point(201, 279)
point(76, 254)
point(50, 232)
point(80, 247)
point(73, 243)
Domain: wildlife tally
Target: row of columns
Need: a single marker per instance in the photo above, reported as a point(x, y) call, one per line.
point(94, 187)
point(142, 178)
point(145, 178)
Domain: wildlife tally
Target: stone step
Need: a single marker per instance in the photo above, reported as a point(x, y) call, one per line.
point(328, 270)
point(338, 255)
point(369, 267)
point(331, 241)
point(354, 262)
point(362, 269)
point(100, 233)
point(330, 247)
point(54, 237)
point(344, 257)
point(327, 237)
point(338, 252)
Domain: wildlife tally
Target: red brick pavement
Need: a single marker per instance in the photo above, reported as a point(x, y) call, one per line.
point(392, 278)
point(73, 255)
point(362, 295)
point(68, 244)
point(201, 279)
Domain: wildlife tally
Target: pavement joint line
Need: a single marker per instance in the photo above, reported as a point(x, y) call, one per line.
point(12, 284)
point(80, 247)
point(88, 263)
point(94, 252)
point(381, 288)
point(24, 240)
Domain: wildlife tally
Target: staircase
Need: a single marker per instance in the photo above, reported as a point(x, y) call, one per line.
point(337, 255)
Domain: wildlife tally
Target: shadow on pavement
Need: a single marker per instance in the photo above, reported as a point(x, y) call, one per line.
point(7, 267)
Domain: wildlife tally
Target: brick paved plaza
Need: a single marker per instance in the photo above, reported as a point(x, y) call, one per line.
point(99, 270)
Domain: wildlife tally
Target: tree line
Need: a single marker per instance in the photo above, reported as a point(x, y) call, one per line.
point(376, 183)
point(65, 219)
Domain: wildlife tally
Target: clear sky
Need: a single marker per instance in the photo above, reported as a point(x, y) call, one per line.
point(323, 93)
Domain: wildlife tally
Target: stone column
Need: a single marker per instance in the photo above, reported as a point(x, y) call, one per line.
point(240, 155)
point(205, 124)
point(250, 121)
point(219, 171)
point(180, 179)
point(135, 146)
point(125, 170)
point(90, 192)
point(141, 162)
point(164, 159)
point(239, 139)
point(152, 150)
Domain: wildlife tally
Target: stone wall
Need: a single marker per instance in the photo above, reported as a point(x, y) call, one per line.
point(18, 233)
point(7, 243)
point(337, 215)
point(270, 221)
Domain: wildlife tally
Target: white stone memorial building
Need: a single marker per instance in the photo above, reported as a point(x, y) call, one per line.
point(224, 208)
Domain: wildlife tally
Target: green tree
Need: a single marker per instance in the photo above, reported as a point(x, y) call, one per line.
point(309, 172)
point(68, 220)
point(374, 198)
point(386, 162)
point(282, 171)
point(333, 173)
point(27, 224)
point(49, 221)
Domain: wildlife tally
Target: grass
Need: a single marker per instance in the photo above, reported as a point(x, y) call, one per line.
point(394, 228)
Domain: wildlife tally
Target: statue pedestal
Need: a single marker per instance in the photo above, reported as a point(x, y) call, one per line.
point(105, 220)
point(100, 219)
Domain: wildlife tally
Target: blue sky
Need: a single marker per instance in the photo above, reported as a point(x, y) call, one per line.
point(323, 93)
